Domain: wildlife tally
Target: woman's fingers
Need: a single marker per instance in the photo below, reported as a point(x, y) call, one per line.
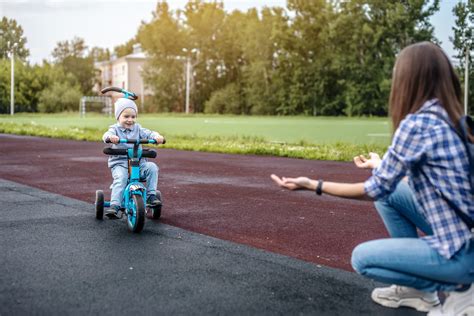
point(284, 182)
point(277, 179)
point(360, 161)
point(374, 156)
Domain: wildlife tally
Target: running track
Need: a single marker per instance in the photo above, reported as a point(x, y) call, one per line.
point(230, 197)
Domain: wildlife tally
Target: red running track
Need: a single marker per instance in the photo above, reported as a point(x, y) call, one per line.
point(230, 197)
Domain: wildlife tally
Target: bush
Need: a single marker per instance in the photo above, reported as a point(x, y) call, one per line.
point(225, 101)
point(60, 97)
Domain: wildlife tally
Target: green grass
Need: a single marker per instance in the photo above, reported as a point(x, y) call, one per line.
point(319, 138)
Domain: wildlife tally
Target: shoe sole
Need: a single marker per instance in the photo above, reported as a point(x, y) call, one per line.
point(468, 312)
point(465, 312)
point(112, 216)
point(416, 303)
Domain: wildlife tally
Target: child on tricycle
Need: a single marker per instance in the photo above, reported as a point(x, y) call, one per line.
point(127, 128)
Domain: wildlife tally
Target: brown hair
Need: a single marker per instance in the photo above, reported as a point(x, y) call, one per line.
point(423, 72)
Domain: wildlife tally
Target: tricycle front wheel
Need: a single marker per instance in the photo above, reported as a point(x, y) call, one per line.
point(136, 214)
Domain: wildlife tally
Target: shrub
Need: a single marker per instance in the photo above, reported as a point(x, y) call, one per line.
point(225, 101)
point(60, 97)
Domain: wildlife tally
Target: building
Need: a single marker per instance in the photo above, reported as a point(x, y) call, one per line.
point(125, 73)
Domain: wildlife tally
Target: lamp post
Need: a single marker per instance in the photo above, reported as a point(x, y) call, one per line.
point(189, 67)
point(142, 89)
point(466, 80)
point(12, 85)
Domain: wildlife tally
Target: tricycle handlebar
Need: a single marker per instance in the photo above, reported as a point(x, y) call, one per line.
point(127, 94)
point(136, 141)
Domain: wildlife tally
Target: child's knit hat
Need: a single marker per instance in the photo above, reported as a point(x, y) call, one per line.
point(123, 103)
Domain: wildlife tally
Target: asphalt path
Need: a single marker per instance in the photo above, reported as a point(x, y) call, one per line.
point(57, 259)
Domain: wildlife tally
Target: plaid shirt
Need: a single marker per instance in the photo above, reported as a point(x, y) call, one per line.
point(431, 154)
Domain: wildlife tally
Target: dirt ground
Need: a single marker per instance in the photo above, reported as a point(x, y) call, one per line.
point(230, 197)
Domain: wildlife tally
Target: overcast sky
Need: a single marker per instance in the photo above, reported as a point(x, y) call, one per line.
point(108, 23)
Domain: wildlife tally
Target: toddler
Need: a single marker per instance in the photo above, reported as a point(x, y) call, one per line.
point(127, 128)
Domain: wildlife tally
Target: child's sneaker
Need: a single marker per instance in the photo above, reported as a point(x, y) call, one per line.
point(398, 296)
point(153, 201)
point(114, 212)
point(456, 304)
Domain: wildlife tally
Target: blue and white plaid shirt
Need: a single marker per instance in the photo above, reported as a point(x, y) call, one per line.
point(433, 157)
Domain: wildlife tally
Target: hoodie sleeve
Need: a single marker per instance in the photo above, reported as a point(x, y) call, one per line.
point(148, 134)
point(111, 131)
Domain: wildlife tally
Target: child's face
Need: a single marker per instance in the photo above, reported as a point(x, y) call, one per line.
point(127, 118)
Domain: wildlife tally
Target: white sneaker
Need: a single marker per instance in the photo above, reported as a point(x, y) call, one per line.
point(456, 304)
point(398, 296)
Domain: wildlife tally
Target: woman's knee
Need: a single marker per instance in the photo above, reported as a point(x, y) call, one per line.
point(371, 254)
point(360, 256)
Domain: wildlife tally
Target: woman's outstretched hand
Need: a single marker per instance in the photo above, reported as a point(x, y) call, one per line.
point(294, 183)
point(362, 162)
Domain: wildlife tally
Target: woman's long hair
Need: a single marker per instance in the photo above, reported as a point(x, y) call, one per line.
point(423, 72)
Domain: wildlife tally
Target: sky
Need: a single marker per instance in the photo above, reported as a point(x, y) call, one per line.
point(109, 23)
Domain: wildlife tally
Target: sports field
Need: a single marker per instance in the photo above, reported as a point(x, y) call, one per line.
point(296, 129)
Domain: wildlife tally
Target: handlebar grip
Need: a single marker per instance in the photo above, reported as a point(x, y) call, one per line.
point(114, 151)
point(149, 153)
point(115, 89)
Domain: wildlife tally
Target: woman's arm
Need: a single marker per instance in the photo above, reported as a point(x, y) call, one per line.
point(343, 190)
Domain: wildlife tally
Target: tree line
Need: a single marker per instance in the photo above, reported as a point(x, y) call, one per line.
point(319, 57)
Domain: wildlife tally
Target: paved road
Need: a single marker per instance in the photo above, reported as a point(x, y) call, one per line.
point(56, 259)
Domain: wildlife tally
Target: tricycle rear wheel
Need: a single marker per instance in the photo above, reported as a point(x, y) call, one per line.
point(156, 212)
point(99, 204)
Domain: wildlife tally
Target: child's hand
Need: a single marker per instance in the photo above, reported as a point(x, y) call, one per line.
point(114, 139)
point(159, 139)
point(362, 162)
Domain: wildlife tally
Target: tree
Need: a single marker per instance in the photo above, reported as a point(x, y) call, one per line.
point(125, 49)
point(71, 56)
point(30, 81)
point(259, 46)
point(463, 41)
point(75, 48)
point(339, 55)
point(99, 54)
point(12, 33)
point(203, 21)
point(323, 58)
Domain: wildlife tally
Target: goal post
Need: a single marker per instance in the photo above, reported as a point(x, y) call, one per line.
point(105, 100)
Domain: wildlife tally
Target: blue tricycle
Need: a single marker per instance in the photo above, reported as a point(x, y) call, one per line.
point(134, 196)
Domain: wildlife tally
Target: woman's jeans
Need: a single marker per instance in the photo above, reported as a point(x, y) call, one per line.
point(406, 259)
point(148, 171)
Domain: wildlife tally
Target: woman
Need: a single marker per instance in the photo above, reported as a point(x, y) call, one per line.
point(425, 96)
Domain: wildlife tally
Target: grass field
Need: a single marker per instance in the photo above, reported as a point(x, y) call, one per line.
point(325, 138)
point(272, 129)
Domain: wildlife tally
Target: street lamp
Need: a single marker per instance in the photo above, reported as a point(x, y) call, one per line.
point(466, 80)
point(142, 92)
point(189, 66)
point(12, 86)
